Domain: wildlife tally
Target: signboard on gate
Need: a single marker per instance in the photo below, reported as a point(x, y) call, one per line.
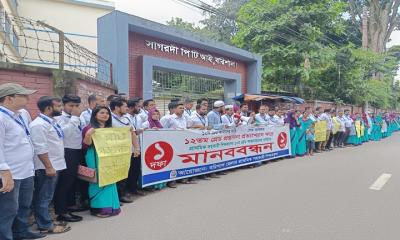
point(168, 155)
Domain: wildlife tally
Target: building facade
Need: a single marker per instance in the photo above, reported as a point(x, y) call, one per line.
point(9, 33)
point(76, 18)
point(153, 60)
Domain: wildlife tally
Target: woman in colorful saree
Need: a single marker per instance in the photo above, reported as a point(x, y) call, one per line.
point(352, 140)
point(292, 120)
point(104, 201)
point(305, 123)
point(367, 126)
point(377, 131)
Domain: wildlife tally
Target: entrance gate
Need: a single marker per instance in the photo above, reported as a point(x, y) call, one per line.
point(177, 85)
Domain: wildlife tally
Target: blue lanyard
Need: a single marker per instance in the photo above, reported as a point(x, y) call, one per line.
point(116, 118)
point(20, 121)
point(220, 117)
point(188, 112)
point(229, 118)
point(263, 117)
point(79, 126)
point(135, 122)
point(56, 127)
point(202, 120)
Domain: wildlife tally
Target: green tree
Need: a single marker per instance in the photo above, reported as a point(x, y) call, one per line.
point(294, 38)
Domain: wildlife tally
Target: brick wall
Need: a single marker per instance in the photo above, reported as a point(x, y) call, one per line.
point(43, 79)
point(86, 88)
point(138, 48)
point(38, 81)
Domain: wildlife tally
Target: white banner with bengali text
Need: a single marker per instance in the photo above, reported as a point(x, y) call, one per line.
point(169, 155)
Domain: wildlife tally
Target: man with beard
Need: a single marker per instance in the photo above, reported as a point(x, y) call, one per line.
point(215, 116)
point(198, 119)
point(70, 123)
point(228, 119)
point(48, 142)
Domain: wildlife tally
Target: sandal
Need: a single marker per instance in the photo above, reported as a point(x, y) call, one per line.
point(57, 229)
point(101, 215)
point(60, 223)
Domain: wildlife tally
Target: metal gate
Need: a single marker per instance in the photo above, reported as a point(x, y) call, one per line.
point(175, 85)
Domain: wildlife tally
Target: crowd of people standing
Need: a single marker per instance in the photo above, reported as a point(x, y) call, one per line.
point(40, 159)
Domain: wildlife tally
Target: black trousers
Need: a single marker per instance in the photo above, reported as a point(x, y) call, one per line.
point(64, 195)
point(339, 139)
point(346, 135)
point(133, 183)
point(329, 141)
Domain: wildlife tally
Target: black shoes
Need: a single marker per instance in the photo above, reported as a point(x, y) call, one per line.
point(69, 217)
point(30, 235)
point(126, 199)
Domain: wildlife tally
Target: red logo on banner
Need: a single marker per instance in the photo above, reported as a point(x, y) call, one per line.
point(158, 155)
point(282, 140)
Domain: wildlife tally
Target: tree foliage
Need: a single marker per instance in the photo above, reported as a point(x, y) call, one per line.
point(313, 47)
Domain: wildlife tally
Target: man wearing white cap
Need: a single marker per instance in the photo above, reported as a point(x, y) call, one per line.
point(228, 119)
point(16, 163)
point(215, 116)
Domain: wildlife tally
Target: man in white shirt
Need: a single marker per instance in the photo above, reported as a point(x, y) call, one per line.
point(228, 119)
point(348, 125)
point(188, 105)
point(132, 184)
point(281, 117)
point(48, 141)
point(147, 106)
point(166, 120)
point(178, 121)
point(70, 123)
point(119, 108)
point(199, 120)
point(16, 163)
point(261, 116)
point(273, 119)
point(215, 116)
point(342, 129)
point(93, 101)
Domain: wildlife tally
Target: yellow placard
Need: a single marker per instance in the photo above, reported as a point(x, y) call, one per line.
point(113, 146)
point(336, 125)
point(358, 128)
point(320, 131)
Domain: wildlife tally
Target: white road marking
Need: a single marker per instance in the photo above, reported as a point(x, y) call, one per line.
point(380, 182)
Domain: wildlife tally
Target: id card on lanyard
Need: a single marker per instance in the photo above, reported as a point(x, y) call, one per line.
point(20, 121)
point(55, 125)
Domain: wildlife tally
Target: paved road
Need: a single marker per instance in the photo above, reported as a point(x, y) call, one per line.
point(325, 197)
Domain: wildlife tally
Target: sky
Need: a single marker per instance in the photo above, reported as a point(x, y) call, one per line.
point(160, 10)
point(163, 10)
